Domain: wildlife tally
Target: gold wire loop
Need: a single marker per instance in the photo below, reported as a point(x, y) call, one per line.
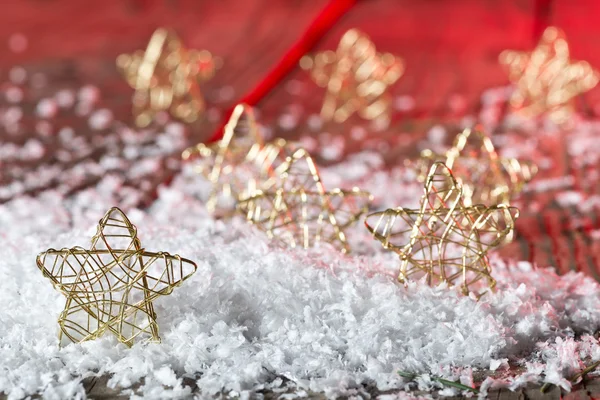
point(165, 78)
point(112, 286)
point(239, 163)
point(444, 241)
point(298, 211)
point(356, 78)
point(276, 186)
point(484, 176)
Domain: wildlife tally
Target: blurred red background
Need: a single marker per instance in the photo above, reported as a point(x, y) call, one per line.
point(450, 47)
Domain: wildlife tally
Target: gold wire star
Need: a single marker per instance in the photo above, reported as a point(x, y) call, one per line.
point(239, 163)
point(165, 78)
point(112, 286)
point(546, 79)
point(298, 211)
point(444, 240)
point(356, 79)
point(485, 177)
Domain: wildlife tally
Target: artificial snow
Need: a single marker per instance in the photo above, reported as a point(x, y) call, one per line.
point(255, 315)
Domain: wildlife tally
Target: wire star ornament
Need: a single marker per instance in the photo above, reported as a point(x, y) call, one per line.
point(485, 177)
point(444, 241)
point(297, 211)
point(356, 78)
point(239, 163)
point(546, 79)
point(165, 78)
point(112, 286)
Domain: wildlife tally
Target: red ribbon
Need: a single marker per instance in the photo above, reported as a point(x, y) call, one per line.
point(316, 30)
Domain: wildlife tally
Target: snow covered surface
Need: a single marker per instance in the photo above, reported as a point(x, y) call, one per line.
point(255, 316)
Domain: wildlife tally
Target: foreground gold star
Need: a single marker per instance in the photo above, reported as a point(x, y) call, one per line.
point(111, 287)
point(444, 240)
point(298, 211)
point(237, 164)
point(546, 79)
point(485, 177)
point(165, 78)
point(356, 78)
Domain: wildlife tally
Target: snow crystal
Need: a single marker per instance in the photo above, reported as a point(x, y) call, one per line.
point(17, 42)
point(288, 121)
point(65, 98)
point(12, 115)
point(47, 108)
point(226, 93)
point(295, 87)
point(358, 133)
point(332, 147)
point(314, 122)
point(17, 75)
point(38, 80)
point(88, 94)
point(100, 119)
point(13, 94)
point(44, 128)
point(404, 103)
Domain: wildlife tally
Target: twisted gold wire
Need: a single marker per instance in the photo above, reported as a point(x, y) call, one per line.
point(485, 177)
point(165, 78)
point(444, 240)
point(112, 286)
point(239, 163)
point(298, 211)
point(356, 79)
point(545, 79)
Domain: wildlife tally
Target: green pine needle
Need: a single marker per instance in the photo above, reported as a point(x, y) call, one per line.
point(575, 377)
point(445, 382)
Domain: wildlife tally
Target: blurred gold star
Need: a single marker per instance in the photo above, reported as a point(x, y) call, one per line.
point(237, 164)
point(356, 79)
point(112, 286)
point(444, 241)
point(546, 79)
point(485, 177)
point(165, 78)
point(297, 210)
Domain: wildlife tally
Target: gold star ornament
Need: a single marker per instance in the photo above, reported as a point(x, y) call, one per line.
point(485, 177)
point(546, 79)
point(297, 211)
point(356, 78)
point(112, 286)
point(165, 78)
point(444, 241)
point(237, 164)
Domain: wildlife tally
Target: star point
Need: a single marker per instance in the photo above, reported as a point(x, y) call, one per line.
point(112, 286)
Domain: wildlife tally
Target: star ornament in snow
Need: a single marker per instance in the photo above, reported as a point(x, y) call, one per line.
point(112, 286)
point(546, 79)
point(356, 78)
point(444, 241)
point(485, 177)
point(297, 211)
point(165, 78)
point(238, 163)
